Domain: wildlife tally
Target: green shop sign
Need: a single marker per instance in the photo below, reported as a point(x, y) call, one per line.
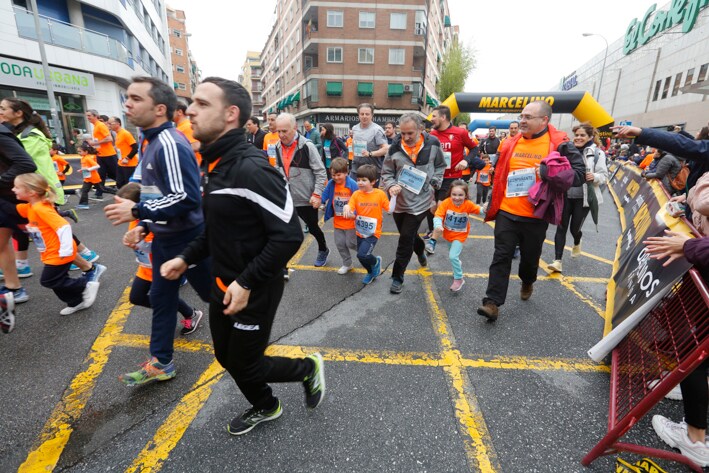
point(30, 75)
point(683, 12)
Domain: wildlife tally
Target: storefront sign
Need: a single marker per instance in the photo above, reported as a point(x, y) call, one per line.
point(639, 32)
point(353, 118)
point(30, 75)
point(569, 82)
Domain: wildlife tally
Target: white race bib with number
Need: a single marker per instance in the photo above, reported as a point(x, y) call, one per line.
point(85, 174)
point(365, 226)
point(412, 179)
point(484, 178)
point(519, 182)
point(150, 193)
point(360, 147)
point(36, 236)
point(142, 254)
point(338, 204)
point(447, 158)
point(456, 221)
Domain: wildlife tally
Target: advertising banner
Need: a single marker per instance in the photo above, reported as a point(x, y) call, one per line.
point(30, 75)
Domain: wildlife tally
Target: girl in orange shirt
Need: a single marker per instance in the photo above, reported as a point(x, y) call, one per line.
point(53, 239)
point(451, 222)
point(89, 170)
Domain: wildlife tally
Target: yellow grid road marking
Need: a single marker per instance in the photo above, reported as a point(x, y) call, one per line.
point(56, 432)
point(565, 283)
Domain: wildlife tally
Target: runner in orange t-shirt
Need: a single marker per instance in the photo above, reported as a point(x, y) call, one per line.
point(128, 149)
point(184, 125)
point(106, 155)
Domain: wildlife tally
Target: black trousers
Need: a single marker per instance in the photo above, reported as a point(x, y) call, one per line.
point(574, 215)
point(140, 295)
point(309, 215)
point(509, 234)
point(107, 168)
point(85, 189)
point(123, 175)
point(241, 349)
point(69, 290)
point(409, 241)
point(481, 192)
point(695, 396)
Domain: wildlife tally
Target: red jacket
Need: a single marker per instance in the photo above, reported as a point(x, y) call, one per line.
point(502, 168)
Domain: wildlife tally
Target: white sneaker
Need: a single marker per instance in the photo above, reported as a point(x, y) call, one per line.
point(576, 251)
point(675, 435)
point(555, 266)
point(70, 310)
point(344, 269)
point(90, 294)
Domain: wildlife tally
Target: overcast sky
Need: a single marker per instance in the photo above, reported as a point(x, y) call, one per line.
point(525, 46)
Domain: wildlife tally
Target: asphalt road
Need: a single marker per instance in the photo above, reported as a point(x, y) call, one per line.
point(416, 382)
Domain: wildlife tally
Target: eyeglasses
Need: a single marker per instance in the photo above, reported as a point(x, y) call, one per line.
point(527, 117)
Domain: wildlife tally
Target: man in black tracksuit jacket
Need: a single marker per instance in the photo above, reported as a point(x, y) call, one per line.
point(251, 233)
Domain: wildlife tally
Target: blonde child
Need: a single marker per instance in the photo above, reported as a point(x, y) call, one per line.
point(483, 181)
point(451, 221)
point(336, 195)
point(53, 239)
point(140, 290)
point(89, 170)
point(365, 207)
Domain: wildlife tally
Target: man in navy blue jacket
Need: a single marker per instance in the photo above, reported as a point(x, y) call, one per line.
point(170, 208)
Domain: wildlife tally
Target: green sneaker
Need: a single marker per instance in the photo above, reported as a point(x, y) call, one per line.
point(314, 383)
point(251, 418)
point(151, 370)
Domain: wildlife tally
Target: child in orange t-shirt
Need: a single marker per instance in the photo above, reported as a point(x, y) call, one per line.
point(451, 222)
point(365, 207)
point(140, 290)
point(53, 239)
point(89, 168)
point(336, 195)
point(483, 181)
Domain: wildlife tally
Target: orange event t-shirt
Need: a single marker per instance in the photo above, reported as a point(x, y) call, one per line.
point(185, 126)
point(456, 224)
point(101, 132)
point(484, 176)
point(369, 206)
point(60, 165)
point(48, 231)
point(124, 142)
point(525, 159)
point(341, 198)
point(89, 161)
point(269, 146)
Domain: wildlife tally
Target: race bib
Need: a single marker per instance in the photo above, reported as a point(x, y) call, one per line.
point(456, 221)
point(56, 166)
point(328, 157)
point(360, 147)
point(447, 158)
point(365, 226)
point(149, 193)
point(36, 236)
point(338, 204)
point(142, 254)
point(271, 151)
point(412, 179)
point(484, 178)
point(86, 174)
point(519, 182)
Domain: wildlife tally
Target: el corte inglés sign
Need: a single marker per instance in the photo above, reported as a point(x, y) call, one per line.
point(30, 75)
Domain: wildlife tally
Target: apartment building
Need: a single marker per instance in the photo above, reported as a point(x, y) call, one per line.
point(186, 75)
point(250, 78)
point(323, 58)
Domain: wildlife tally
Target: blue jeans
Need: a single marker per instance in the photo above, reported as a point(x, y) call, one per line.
point(365, 248)
point(454, 256)
point(164, 294)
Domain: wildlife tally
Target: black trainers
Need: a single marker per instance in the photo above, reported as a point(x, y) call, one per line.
point(314, 383)
point(396, 286)
point(191, 324)
point(251, 418)
point(423, 260)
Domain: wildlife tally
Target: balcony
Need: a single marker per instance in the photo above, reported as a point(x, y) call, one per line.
point(65, 35)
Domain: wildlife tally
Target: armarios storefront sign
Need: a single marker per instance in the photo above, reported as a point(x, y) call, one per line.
point(683, 12)
point(30, 75)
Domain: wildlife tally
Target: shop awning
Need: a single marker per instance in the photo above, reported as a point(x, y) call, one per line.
point(396, 90)
point(365, 89)
point(431, 101)
point(296, 97)
point(289, 100)
point(334, 88)
point(447, 21)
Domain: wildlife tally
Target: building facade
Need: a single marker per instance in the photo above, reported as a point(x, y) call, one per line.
point(93, 48)
point(185, 73)
point(324, 58)
point(250, 78)
point(656, 75)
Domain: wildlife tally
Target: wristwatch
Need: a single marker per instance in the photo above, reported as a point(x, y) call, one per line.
point(134, 211)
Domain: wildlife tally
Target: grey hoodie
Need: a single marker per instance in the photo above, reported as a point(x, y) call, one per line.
point(307, 175)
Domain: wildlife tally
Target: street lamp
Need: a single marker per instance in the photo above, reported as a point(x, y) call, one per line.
point(603, 68)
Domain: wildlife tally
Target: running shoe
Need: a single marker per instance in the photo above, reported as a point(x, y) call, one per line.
point(151, 370)
point(96, 198)
point(91, 256)
point(253, 417)
point(190, 325)
point(576, 251)
point(314, 383)
point(19, 295)
point(423, 261)
point(83, 207)
point(7, 312)
point(321, 260)
point(68, 310)
point(430, 246)
point(71, 213)
point(90, 293)
point(24, 272)
point(344, 269)
point(396, 286)
point(675, 435)
point(73, 267)
point(457, 284)
point(93, 274)
point(556, 266)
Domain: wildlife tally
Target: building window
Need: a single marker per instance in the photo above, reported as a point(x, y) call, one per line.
point(678, 82)
point(396, 56)
point(308, 61)
point(180, 69)
point(335, 19)
point(366, 19)
point(666, 88)
point(177, 33)
point(656, 94)
point(365, 56)
point(181, 86)
point(703, 72)
point(397, 21)
point(178, 51)
point(690, 77)
point(334, 54)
